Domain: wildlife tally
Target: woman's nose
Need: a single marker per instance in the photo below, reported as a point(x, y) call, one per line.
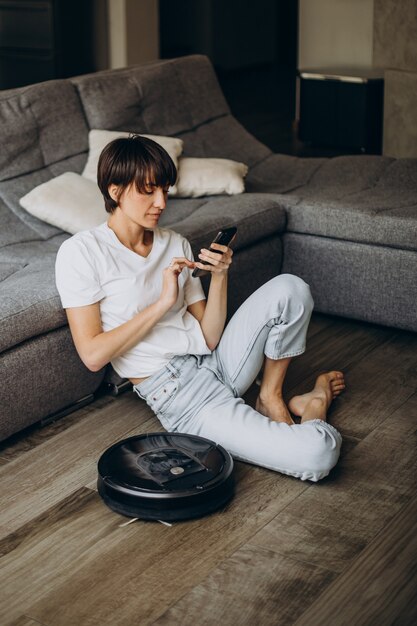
point(160, 199)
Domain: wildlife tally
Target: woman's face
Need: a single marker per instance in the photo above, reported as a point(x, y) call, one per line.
point(143, 209)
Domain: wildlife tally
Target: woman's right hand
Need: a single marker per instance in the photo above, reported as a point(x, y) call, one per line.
point(169, 293)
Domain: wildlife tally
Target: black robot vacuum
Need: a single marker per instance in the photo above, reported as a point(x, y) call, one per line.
point(165, 476)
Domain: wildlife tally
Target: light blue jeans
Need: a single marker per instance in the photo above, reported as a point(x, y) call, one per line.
point(200, 395)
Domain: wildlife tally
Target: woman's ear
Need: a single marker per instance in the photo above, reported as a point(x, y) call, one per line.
point(113, 192)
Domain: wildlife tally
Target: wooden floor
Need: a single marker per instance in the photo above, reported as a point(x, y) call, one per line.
point(341, 551)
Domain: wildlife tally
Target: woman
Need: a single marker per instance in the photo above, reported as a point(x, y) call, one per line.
point(131, 300)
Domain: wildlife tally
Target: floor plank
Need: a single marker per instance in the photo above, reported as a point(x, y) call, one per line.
point(380, 588)
point(379, 378)
point(331, 523)
point(319, 323)
point(37, 434)
point(42, 476)
point(377, 385)
point(345, 343)
point(254, 586)
point(139, 570)
point(24, 620)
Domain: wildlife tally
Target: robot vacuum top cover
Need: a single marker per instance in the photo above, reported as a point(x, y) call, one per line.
point(165, 476)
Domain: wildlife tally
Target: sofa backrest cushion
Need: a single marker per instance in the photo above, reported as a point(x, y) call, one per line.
point(40, 125)
point(162, 97)
point(43, 132)
point(177, 97)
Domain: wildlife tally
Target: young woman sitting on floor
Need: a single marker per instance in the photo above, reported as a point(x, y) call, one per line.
point(131, 300)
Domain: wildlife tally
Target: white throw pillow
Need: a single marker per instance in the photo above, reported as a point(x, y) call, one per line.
point(69, 201)
point(208, 177)
point(98, 139)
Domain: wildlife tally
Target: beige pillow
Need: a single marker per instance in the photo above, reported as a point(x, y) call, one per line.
point(98, 139)
point(208, 177)
point(69, 201)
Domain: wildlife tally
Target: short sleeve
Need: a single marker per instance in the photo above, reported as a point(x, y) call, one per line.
point(75, 275)
point(193, 290)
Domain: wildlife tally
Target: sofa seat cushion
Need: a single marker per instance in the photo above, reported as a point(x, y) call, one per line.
point(29, 301)
point(257, 216)
point(281, 173)
point(363, 199)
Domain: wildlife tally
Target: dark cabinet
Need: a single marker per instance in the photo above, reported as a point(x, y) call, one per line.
point(44, 39)
point(342, 109)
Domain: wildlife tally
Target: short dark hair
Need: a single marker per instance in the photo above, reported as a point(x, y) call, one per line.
point(137, 160)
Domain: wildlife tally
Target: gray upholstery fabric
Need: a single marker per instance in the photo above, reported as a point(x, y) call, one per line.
point(256, 216)
point(39, 125)
point(224, 137)
point(29, 302)
point(40, 377)
point(371, 283)
point(164, 98)
point(364, 199)
point(281, 173)
point(368, 199)
point(168, 99)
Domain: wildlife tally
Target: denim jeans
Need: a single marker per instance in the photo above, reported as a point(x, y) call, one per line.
point(200, 395)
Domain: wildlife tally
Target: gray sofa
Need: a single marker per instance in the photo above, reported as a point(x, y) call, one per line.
point(347, 225)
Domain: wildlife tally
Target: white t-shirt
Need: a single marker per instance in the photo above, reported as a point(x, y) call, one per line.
point(94, 266)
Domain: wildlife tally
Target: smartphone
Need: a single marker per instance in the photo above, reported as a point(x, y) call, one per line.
point(224, 237)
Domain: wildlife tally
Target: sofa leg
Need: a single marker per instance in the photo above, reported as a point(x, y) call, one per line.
point(68, 409)
point(115, 389)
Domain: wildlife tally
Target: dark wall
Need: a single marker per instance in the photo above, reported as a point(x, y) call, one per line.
point(235, 34)
point(40, 40)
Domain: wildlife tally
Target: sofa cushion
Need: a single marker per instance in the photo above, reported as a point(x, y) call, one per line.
point(209, 177)
point(98, 140)
point(29, 301)
point(342, 176)
point(208, 140)
point(69, 201)
point(257, 216)
point(363, 199)
point(13, 189)
point(281, 173)
point(39, 125)
point(158, 98)
point(162, 98)
point(42, 129)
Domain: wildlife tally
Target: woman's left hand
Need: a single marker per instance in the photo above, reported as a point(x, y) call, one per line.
point(219, 262)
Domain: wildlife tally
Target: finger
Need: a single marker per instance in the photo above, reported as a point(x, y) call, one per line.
point(210, 257)
point(180, 265)
point(219, 247)
point(220, 267)
point(182, 260)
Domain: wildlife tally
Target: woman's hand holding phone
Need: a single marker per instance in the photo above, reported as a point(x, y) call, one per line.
point(215, 260)
point(218, 257)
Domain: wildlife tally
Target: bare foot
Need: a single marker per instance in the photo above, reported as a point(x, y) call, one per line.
point(316, 402)
point(274, 408)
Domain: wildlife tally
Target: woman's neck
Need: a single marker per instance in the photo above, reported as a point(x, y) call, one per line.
point(131, 235)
